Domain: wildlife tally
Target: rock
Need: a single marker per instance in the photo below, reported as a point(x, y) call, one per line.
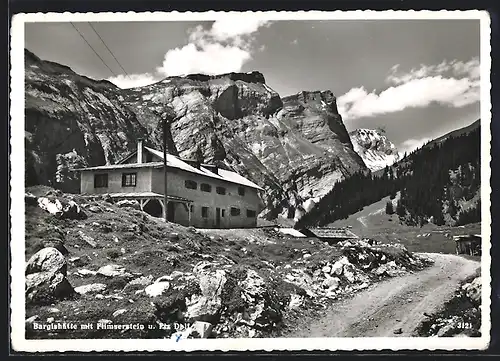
point(307, 255)
point(326, 269)
point(398, 331)
point(119, 312)
point(157, 289)
point(174, 236)
point(349, 276)
point(90, 288)
point(331, 283)
point(48, 259)
point(203, 329)
point(205, 307)
point(473, 291)
point(113, 270)
point(450, 328)
point(142, 281)
point(95, 209)
point(31, 319)
point(89, 240)
point(53, 310)
point(295, 301)
point(129, 203)
point(85, 272)
point(50, 319)
point(63, 210)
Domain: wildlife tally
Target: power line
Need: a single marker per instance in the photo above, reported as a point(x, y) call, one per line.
point(95, 31)
point(95, 52)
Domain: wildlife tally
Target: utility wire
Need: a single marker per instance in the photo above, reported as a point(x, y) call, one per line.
point(95, 31)
point(93, 49)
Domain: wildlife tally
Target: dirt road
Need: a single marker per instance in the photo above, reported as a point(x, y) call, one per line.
point(396, 303)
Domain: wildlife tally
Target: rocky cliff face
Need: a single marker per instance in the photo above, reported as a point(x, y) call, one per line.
point(373, 146)
point(295, 147)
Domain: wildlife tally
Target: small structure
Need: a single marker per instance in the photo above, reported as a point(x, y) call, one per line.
point(468, 244)
point(330, 235)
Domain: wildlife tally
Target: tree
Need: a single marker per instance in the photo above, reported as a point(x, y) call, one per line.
point(389, 209)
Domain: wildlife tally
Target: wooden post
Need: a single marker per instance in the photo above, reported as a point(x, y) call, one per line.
point(165, 168)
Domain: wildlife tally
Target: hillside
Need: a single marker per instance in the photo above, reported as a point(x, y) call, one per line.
point(294, 147)
point(89, 260)
point(438, 183)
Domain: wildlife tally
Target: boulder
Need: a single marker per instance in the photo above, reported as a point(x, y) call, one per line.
point(331, 283)
point(129, 203)
point(202, 329)
point(206, 307)
point(473, 290)
point(90, 288)
point(119, 312)
point(48, 259)
point(62, 209)
point(157, 289)
point(142, 281)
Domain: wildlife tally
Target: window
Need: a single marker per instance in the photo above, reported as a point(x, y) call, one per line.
point(235, 211)
point(241, 191)
point(204, 187)
point(250, 213)
point(129, 179)
point(204, 212)
point(220, 190)
point(223, 213)
point(100, 180)
point(190, 184)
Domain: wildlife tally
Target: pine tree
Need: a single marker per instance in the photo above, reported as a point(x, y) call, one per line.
point(389, 209)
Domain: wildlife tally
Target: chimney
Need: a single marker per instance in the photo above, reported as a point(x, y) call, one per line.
point(139, 151)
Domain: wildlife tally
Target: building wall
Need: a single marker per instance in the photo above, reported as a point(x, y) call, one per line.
point(176, 187)
point(143, 181)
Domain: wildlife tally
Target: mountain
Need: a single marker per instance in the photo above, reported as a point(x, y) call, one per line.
point(374, 148)
point(295, 147)
point(438, 183)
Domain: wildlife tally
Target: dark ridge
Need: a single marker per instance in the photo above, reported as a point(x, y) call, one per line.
point(253, 77)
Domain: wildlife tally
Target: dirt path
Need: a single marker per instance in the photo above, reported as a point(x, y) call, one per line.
point(396, 303)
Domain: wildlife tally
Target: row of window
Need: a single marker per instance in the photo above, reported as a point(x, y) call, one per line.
point(128, 180)
point(233, 211)
point(204, 187)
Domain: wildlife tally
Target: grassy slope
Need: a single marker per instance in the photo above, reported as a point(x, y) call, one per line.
point(147, 246)
point(387, 228)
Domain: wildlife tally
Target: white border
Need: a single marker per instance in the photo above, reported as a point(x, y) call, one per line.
point(19, 343)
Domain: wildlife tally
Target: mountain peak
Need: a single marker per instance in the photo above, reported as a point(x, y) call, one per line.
point(373, 146)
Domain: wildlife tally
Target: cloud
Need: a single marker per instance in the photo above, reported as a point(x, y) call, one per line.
point(294, 42)
point(133, 80)
point(454, 84)
point(225, 47)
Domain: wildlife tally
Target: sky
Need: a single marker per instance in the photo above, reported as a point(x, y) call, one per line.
point(418, 79)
